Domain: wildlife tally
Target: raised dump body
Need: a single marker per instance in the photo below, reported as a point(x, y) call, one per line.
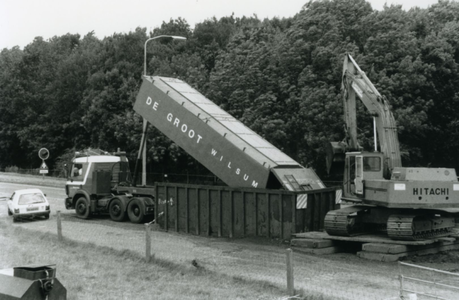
point(229, 149)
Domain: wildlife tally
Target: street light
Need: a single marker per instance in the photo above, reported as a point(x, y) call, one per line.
point(143, 143)
point(173, 37)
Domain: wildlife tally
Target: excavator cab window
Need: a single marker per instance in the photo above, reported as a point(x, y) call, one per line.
point(361, 167)
point(371, 164)
point(350, 181)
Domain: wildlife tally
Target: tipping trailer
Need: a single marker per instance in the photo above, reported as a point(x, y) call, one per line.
point(225, 146)
point(102, 182)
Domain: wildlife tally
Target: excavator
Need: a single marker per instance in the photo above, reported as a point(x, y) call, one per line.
point(404, 203)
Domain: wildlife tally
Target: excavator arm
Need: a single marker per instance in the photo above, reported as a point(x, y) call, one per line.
point(355, 82)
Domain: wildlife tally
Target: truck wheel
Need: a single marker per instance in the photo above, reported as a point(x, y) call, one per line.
point(82, 208)
point(136, 211)
point(116, 210)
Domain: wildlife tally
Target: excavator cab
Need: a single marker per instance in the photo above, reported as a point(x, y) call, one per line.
point(361, 166)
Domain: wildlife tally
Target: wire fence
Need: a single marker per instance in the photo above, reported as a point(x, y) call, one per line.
point(418, 282)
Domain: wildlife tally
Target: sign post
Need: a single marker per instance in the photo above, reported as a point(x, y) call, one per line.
point(43, 153)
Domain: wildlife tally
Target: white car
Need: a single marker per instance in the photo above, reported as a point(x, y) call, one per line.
point(28, 203)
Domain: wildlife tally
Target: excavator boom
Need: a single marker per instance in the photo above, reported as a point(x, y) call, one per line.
point(354, 82)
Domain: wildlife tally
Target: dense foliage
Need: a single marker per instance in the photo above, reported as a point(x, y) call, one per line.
point(281, 77)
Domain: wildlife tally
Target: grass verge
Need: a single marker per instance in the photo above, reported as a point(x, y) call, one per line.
point(89, 271)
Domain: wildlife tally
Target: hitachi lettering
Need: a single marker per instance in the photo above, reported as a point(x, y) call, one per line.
point(431, 191)
point(237, 170)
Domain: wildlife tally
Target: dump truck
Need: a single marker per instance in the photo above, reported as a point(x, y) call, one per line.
point(405, 203)
point(101, 183)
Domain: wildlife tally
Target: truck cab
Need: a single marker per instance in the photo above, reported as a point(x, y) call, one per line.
point(102, 184)
point(96, 174)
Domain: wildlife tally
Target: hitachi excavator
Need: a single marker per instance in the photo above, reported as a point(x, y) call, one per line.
point(403, 202)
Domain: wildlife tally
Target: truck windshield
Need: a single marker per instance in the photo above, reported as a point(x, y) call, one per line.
point(77, 171)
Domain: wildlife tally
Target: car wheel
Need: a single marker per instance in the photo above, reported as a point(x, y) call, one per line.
point(82, 208)
point(116, 210)
point(15, 219)
point(46, 216)
point(136, 211)
point(10, 213)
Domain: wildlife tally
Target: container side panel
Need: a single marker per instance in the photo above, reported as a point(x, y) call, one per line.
point(262, 214)
point(300, 225)
point(250, 214)
point(193, 210)
point(324, 208)
point(203, 212)
point(160, 191)
point(274, 215)
point(238, 214)
point(287, 213)
point(172, 205)
point(227, 212)
point(316, 213)
point(184, 208)
point(214, 212)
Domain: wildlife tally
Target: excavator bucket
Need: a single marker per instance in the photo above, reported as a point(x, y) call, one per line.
point(335, 155)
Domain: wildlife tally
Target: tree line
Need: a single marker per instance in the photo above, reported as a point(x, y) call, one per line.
point(280, 77)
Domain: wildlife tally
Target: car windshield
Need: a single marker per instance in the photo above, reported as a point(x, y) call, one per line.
point(31, 199)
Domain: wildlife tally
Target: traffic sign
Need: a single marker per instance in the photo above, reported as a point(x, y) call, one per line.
point(43, 168)
point(43, 153)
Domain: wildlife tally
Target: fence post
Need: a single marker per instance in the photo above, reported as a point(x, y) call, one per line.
point(59, 226)
point(290, 287)
point(147, 243)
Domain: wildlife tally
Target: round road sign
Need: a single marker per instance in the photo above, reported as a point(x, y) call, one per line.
point(43, 153)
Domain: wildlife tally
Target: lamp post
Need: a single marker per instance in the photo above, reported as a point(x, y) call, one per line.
point(143, 143)
point(173, 37)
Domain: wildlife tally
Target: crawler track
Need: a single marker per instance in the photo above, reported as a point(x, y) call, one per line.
point(344, 222)
point(418, 227)
point(351, 221)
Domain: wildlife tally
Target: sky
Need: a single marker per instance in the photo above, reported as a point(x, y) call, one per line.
point(23, 20)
